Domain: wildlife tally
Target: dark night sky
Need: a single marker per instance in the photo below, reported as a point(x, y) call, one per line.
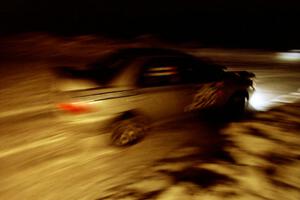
point(256, 23)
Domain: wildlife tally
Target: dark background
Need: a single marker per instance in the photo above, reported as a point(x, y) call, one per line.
point(247, 24)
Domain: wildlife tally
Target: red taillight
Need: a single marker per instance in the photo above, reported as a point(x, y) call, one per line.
point(74, 108)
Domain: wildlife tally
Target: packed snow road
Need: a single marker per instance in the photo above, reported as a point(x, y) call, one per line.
point(42, 158)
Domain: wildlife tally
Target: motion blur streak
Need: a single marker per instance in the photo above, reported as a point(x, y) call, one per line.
point(289, 56)
point(44, 159)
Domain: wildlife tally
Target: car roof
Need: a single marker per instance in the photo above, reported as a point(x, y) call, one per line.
point(140, 52)
point(130, 54)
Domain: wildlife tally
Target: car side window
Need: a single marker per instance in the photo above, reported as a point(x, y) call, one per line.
point(198, 71)
point(160, 72)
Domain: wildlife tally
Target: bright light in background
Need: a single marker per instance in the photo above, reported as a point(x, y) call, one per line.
point(294, 55)
point(259, 101)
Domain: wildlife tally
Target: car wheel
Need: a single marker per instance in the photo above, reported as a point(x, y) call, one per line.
point(127, 131)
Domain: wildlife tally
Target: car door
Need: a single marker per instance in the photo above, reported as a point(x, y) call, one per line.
point(162, 86)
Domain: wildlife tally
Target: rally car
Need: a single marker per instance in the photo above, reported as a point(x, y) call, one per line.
point(129, 89)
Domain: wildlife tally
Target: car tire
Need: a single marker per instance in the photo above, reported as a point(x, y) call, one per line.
point(128, 131)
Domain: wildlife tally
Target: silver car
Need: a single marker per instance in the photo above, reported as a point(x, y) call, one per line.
point(129, 89)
